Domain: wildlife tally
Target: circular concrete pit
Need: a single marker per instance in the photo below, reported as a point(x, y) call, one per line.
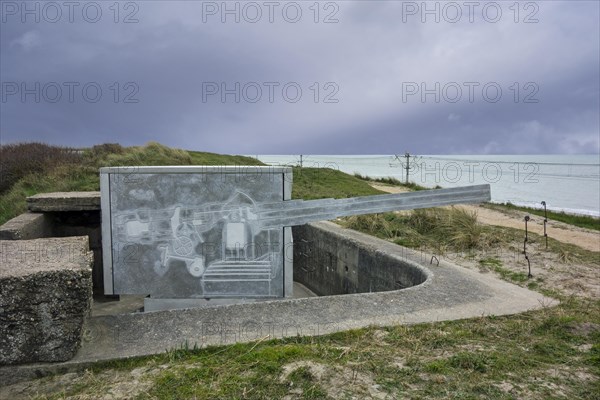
point(326, 263)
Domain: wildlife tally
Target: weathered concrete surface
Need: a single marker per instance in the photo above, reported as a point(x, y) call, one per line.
point(330, 262)
point(150, 304)
point(451, 292)
point(32, 225)
point(45, 295)
point(64, 201)
point(26, 226)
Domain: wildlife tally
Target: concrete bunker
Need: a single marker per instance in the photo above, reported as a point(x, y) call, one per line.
point(328, 262)
point(187, 235)
point(339, 270)
point(363, 281)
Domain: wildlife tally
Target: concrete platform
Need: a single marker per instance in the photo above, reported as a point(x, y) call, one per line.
point(26, 226)
point(450, 292)
point(134, 303)
point(64, 201)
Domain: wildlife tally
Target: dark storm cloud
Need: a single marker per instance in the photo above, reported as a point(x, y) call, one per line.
point(175, 54)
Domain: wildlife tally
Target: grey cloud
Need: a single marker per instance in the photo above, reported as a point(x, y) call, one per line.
point(369, 54)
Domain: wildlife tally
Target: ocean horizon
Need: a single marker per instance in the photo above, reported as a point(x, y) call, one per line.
point(567, 183)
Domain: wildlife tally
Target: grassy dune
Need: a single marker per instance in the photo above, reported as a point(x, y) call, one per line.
point(54, 169)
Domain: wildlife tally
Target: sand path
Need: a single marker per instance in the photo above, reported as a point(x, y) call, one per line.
point(584, 238)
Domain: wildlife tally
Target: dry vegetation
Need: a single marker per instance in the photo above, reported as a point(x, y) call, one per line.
point(20, 160)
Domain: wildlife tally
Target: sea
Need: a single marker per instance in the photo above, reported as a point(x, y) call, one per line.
point(567, 183)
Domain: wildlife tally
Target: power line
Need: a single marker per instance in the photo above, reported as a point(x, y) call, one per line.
point(575, 170)
point(510, 162)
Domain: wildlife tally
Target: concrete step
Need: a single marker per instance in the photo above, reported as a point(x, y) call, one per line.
point(64, 201)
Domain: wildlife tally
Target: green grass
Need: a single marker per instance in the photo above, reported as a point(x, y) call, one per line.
point(204, 158)
point(318, 183)
point(454, 229)
point(394, 182)
point(581, 221)
point(539, 353)
point(496, 265)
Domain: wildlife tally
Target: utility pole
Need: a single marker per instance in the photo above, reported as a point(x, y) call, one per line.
point(300, 160)
point(407, 155)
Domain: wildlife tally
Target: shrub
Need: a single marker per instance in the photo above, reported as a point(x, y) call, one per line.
point(461, 228)
point(21, 159)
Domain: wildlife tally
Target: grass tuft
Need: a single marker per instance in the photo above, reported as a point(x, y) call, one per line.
point(453, 228)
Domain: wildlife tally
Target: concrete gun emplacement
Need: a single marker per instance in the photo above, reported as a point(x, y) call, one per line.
point(190, 232)
point(179, 231)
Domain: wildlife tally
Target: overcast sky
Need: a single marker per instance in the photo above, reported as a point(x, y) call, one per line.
point(343, 77)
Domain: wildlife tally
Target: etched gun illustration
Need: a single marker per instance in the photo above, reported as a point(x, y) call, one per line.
point(179, 231)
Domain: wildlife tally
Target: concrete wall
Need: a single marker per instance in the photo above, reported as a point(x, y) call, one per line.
point(329, 261)
point(33, 225)
point(326, 259)
point(27, 226)
point(45, 296)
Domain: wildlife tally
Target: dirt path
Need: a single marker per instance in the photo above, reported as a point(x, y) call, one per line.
point(584, 238)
